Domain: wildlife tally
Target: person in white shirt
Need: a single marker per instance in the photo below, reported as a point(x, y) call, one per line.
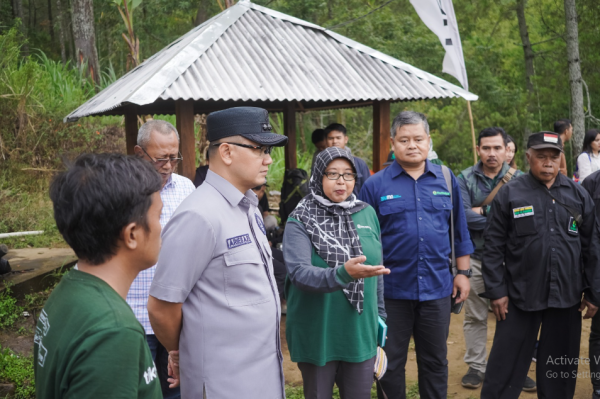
point(589, 160)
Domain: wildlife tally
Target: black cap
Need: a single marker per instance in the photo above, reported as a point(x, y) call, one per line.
point(249, 122)
point(541, 140)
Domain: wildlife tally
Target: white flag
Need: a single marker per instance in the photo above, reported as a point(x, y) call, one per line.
point(439, 16)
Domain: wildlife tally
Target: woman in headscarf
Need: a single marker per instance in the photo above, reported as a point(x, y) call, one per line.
point(334, 290)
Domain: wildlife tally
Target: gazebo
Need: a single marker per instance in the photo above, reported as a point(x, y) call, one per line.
point(254, 56)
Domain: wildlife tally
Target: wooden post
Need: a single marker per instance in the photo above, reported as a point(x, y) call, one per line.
point(289, 126)
point(381, 133)
point(184, 111)
point(131, 127)
point(472, 132)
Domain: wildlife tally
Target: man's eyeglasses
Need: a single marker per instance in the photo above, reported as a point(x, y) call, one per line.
point(264, 150)
point(336, 176)
point(159, 163)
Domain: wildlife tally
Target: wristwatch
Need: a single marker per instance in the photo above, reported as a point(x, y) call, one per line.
point(467, 272)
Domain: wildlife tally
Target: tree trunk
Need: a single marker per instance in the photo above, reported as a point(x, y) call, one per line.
point(527, 49)
point(69, 32)
point(61, 31)
point(202, 14)
point(50, 20)
point(529, 69)
point(577, 114)
point(19, 11)
point(301, 131)
point(85, 37)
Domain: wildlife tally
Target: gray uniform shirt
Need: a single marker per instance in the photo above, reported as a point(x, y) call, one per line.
point(216, 260)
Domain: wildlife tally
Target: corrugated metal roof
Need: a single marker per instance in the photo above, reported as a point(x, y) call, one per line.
point(255, 54)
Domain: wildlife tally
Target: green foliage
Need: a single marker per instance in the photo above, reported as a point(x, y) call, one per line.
point(9, 310)
point(17, 370)
point(25, 206)
point(36, 92)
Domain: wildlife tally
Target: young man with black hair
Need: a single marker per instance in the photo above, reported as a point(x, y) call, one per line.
point(88, 343)
point(477, 183)
point(564, 128)
point(337, 137)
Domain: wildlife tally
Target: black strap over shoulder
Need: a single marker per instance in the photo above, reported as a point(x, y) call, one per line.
point(448, 178)
point(576, 215)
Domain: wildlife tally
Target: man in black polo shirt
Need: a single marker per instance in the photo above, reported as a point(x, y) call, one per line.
point(542, 251)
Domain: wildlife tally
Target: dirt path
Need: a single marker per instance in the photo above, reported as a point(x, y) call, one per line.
point(457, 368)
point(456, 348)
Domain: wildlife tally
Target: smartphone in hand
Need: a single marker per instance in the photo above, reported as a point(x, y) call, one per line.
point(456, 307)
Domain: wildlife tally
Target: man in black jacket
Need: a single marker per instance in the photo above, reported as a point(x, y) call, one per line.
point(542, 251)
point(592, 185)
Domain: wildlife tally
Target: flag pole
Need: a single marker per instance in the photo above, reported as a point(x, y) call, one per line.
point(472, 132)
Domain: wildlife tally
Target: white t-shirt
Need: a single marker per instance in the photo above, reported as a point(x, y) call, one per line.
point(587, 164)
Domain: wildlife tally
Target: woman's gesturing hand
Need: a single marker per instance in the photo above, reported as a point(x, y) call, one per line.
point(357, 270)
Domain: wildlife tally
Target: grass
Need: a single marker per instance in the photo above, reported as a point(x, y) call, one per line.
point(9, 310)
point(293, 392)
point(17, 370)
point(25, 206)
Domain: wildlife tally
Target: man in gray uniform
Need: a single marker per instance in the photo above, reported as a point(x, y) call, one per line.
point(214, 297)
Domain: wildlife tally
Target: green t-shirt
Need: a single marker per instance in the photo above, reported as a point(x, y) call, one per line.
point(88, 344)
point(323, 327)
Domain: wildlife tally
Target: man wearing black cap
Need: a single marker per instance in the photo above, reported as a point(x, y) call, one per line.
point(540, 263)
point(214, 297)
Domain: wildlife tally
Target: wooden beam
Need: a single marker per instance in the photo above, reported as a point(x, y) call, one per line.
point(381, 133)
point(289, 126)
point(131, 128)
point(184, 111)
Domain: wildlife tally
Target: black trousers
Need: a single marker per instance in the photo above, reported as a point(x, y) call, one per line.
point(353, 379)
point(595, 351)
point(557, 354)
point(429, 323)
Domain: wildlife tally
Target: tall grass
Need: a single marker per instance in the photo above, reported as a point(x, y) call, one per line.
point(25, 206)
point(36, 93)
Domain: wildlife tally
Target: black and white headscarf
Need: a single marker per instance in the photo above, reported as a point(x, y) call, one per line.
point(329, 225)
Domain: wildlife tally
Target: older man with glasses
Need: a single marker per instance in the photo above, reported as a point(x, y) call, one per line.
point(158, 143)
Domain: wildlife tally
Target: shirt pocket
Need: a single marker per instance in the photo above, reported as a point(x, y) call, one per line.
point(525, 226)
point(371, 246)
point(393, 215)
point(246, 280)
point(440, 217)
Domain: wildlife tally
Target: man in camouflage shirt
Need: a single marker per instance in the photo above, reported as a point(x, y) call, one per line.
point(476, 184)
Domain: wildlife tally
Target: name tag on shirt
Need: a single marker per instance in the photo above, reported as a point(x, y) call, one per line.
point(444, 193)
point(572, 227)
point(238, 241)
point(523, 212)
point(390, 197)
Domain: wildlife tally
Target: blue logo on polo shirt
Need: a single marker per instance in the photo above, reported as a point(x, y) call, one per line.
point(238, 241)
point(260, 223)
